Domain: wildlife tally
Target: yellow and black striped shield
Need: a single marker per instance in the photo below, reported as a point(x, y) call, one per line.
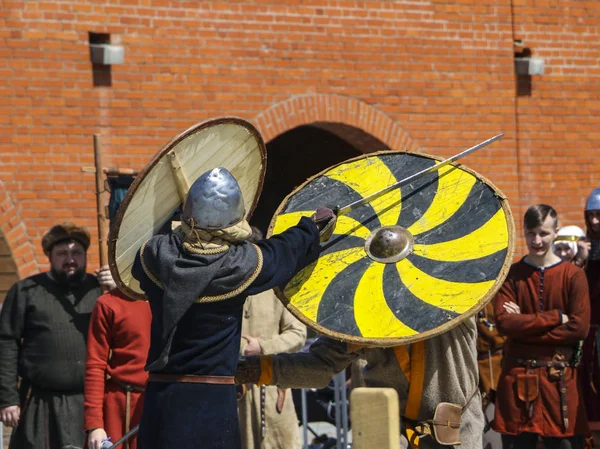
point(462, 246)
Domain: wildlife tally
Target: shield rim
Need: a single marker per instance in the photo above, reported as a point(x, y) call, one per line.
point(397, 341)
point(113, 233)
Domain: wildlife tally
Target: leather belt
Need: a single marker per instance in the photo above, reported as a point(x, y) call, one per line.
point(561, 367)
point(191, 378)
point(127, 387)
point(486, 355)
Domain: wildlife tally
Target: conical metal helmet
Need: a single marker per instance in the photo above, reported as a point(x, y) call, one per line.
point(214, 201)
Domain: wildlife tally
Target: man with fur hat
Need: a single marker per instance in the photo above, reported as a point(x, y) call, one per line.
point(197, 279)
point(43, 330)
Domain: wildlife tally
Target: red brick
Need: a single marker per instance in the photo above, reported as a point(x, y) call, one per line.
point(424, 76)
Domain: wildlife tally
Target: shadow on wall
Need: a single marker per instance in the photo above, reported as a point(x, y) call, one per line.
point(301, 153)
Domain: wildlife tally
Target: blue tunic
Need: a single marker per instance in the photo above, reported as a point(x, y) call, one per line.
point(206, 339)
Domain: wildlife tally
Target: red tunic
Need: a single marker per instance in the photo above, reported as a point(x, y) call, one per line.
point(590, 374)
point(118, 342)
point(536, 334)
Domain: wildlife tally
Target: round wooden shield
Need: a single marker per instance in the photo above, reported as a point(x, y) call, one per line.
point(459, 246)
point(160, 188)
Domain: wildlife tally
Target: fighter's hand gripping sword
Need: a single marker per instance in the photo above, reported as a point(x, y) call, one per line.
point(356, 204)
point(106, 444)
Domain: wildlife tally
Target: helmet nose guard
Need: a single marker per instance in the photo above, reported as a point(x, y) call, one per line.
point(214, 201)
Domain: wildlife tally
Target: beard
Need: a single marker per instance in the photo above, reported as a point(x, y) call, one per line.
point(69, 280)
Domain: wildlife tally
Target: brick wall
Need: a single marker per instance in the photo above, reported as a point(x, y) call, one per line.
point(431, 76)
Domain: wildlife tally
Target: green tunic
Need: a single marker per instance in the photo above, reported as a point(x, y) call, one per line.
point(43, 334)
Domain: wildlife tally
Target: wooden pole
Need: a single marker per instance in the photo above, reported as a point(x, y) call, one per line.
point(100, 203)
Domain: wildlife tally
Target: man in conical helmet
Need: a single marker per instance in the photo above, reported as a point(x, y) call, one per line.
point(197, 279)
point(590, 372)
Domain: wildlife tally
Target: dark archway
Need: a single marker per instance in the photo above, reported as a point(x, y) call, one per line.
point(9, 273)
point(301, 153)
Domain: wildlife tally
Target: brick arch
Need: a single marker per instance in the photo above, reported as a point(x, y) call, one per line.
point(310, 108)
point(15, 233)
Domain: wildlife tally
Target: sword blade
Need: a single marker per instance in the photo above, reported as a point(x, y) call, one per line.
point(108, 445)
point(356, 204)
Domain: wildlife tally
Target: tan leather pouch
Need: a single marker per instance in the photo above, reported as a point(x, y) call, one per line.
point(444, 428)
point(528, 387)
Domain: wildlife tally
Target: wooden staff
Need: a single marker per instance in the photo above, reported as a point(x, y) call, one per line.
point(100, 203)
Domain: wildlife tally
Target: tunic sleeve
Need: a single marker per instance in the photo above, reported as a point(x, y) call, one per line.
point(313, 369)
point(521, 324)
point(12, 320)
point(291, 338)
point(98, 348)
point(578, 311)
point(285, 254)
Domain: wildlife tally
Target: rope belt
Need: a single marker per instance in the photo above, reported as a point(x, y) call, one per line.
point(556, 371)
point(129, 388)
point(191, 378)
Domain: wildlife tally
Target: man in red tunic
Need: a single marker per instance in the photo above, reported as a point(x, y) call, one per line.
point(117, 348)
point(543, 308)
point(590, 372)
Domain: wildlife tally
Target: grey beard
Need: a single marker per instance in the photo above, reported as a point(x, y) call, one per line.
point(68, 280)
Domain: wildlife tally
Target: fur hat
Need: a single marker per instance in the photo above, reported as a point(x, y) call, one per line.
point(65, 232)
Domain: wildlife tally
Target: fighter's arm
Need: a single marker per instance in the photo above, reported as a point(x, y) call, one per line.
point(98, 350)
point(521, 324)
point(313, 369)
point(286, 253)
point(578, 324)
point(291, 337)
point(12, 323)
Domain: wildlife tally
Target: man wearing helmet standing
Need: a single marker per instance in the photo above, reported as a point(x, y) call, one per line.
point(197, 279)
point(590, 373)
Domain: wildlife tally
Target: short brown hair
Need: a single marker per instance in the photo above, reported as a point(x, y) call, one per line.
point(537, 214)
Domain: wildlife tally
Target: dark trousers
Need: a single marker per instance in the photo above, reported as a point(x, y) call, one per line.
point(189, 416)
point(529, 441)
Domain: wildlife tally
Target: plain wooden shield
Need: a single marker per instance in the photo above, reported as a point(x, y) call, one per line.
point(160, 188)
point(462, 234)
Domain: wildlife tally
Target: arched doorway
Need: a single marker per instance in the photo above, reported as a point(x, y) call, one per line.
point(302, 152)
point(9, 273)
